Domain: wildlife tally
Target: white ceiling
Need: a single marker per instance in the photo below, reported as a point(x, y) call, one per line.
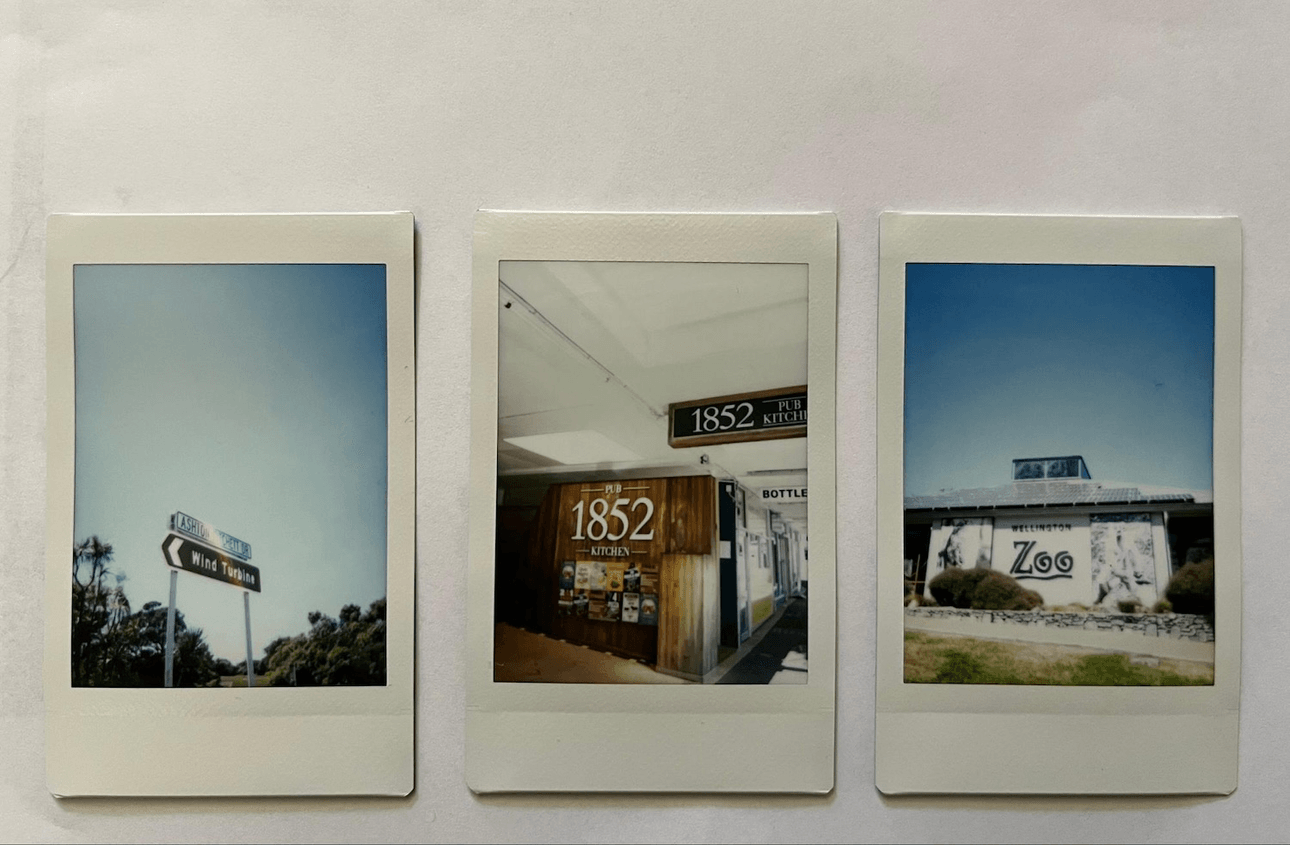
point(607, 346)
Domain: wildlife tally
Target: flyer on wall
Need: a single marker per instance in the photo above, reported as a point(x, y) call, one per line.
point(231, 483)
point(1059, 504)
point(639, 380)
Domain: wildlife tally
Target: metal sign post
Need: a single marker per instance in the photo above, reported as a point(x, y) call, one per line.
point(227, 563)
point(170, 631)
point(250, 664)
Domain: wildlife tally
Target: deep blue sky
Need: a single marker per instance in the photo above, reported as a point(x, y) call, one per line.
point(252, 397)
point(1003, 361)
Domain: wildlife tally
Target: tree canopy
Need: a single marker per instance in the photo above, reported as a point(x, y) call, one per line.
point(349, 650)
point(115, 647)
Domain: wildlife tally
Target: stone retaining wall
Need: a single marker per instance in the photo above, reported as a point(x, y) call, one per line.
point(1179, 626)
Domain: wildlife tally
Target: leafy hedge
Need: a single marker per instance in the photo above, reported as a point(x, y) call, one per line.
point(345, 651)
point(1191, 590)
point(982, 589)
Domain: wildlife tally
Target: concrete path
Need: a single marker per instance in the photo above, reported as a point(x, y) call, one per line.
point(774, 655)
point(1115, 641)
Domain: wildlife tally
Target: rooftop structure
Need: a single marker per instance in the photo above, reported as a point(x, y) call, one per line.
point(1055, 482)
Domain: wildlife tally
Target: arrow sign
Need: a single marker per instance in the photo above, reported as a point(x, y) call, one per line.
point(191, 556)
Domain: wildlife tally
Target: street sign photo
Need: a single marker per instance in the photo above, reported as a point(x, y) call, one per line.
point(191, 556)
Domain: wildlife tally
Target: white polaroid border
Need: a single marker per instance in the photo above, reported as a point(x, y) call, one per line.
point(934, 738)
point(195, 742)
point(567, 737)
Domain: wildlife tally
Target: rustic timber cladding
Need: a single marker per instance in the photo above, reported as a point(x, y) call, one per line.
point(665, 529)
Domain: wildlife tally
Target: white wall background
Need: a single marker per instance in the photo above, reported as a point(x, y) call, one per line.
point(444, 107)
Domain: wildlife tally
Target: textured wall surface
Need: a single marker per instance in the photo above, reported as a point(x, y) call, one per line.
point(1176, 625)
point(1153, 107)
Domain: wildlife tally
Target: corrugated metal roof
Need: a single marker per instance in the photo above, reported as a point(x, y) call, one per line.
point(1057, 492)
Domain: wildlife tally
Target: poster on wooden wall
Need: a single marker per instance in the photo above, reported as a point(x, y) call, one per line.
point(1059, 459)
point(635, 376)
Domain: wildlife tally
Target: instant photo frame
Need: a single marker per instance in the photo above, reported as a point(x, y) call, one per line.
point(636, 737)
point(135, 738)
point(961, 737)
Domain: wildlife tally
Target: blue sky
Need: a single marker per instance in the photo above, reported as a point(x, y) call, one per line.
point(1114, 363)
point(252, 397)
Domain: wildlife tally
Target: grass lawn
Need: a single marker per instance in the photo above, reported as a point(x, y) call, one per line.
point(240, 680)
point(931, 659)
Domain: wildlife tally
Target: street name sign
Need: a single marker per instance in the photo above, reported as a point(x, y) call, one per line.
point(195, 528)
point(740, 417)
point(189, 555)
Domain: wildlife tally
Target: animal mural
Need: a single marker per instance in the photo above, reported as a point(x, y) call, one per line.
point(963, 543)
point(1124, 561)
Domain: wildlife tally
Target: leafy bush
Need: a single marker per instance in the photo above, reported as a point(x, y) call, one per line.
point(954, 586)
point(998, 591)
point(1163, 606)
point(345, 651)
point(1191, 590)
point(1131, 606)
point(982, 589)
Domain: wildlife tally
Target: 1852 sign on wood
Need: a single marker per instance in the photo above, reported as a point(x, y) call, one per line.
point(761, 415)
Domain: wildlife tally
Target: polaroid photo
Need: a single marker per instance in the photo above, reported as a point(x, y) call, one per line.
point(642, 539)
point(230, 545)
point(1059, 585)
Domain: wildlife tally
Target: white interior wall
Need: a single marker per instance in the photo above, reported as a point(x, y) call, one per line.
point(1153, 107)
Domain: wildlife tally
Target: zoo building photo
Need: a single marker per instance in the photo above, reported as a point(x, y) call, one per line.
point(1058, 510)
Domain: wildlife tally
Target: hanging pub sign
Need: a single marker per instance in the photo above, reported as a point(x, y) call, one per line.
point(740, 417)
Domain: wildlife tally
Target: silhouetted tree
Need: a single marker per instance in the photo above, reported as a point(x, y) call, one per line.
point(112, 647)
point(95, 608)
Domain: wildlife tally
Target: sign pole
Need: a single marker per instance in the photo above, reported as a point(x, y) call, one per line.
point(250, 664)
point(170, 631)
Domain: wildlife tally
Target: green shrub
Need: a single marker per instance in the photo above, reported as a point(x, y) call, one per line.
point(982, 589)
point(954, 586)
point(998, 591)
point(1191, 590)
point(1163, 606)
point(1131, 606)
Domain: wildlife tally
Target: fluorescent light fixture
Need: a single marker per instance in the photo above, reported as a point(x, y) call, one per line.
point(575, 447)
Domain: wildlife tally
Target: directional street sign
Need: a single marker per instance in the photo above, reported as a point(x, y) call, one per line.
point(191, 556)
point(194, 527)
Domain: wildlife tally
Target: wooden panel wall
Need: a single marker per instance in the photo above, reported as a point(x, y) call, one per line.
point(681, 554)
